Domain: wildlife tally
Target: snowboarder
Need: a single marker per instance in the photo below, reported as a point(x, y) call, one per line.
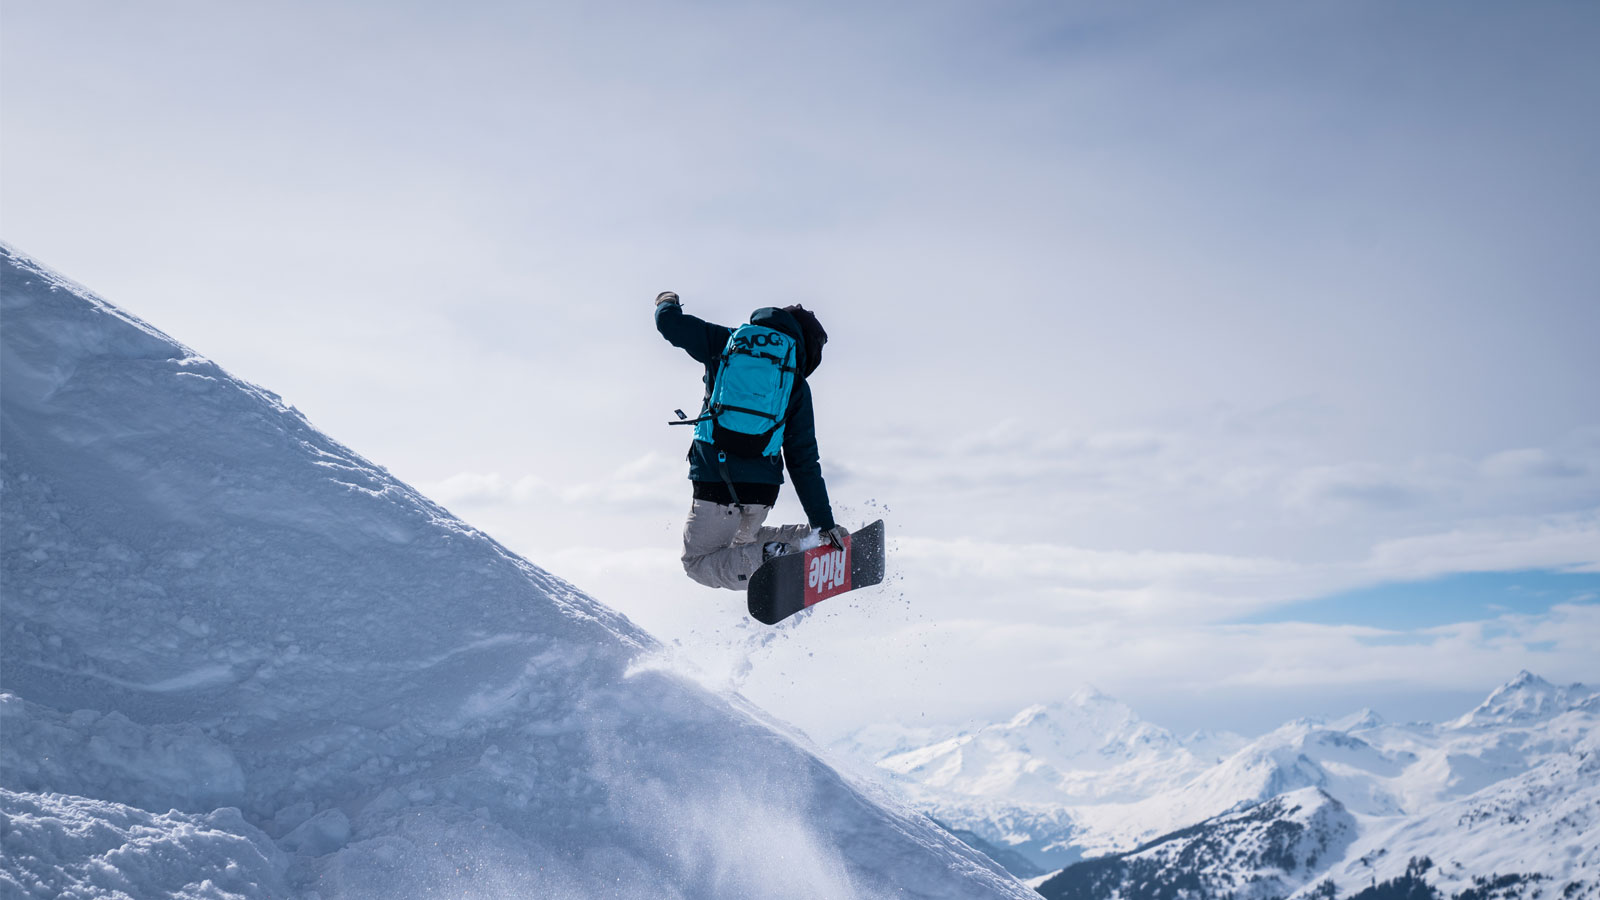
point(757, 409)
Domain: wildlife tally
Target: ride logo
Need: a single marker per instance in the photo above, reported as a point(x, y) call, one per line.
point(827, 572)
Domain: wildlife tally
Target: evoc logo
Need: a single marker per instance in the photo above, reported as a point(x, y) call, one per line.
point(828, 571)
point(743, 343)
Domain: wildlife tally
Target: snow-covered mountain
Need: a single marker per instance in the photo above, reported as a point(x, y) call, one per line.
point(239, 660)
point(1525, 700)
point(1014, 784)
point(1524, 758)
point(1534, 835)
point(1303, 753)
point(1372, 767)
point(1088, 748)
point(1264, 852)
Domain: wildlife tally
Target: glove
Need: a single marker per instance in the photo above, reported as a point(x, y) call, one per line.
point(836, 536)
point(667, 297)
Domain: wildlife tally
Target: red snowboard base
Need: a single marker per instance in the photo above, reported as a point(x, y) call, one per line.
point(788, 584)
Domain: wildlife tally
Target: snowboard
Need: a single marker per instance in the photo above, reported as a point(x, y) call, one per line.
point(790, 583)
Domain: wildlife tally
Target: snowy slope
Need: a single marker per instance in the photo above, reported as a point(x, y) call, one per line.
point(1542, 825)
point(239, 660)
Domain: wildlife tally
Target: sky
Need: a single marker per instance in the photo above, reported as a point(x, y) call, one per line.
point(1234, 358)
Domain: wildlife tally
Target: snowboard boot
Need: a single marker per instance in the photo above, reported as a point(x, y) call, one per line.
point(774, 549)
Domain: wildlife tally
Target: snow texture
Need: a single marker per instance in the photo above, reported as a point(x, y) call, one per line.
point(240, 660)
point(59, 846)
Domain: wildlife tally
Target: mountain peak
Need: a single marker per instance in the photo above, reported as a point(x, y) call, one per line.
point(1031, 714)
point(1525, 698)
point(1089, 695)
point(1525, 679)
point(1366, 718)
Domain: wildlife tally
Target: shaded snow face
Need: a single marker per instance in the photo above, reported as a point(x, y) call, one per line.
point(210, 604)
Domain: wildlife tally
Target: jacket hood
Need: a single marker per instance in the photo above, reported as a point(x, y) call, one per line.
point(802, 326)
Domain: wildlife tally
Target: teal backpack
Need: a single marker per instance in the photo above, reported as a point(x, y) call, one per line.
point(743, 414)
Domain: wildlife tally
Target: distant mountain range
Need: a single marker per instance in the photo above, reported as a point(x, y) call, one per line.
point(1503, 801)
point(1088, 749)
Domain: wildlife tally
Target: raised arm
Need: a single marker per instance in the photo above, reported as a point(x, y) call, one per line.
point(695, 336)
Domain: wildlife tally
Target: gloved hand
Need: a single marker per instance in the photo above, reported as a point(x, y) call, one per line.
point(667, 297)
point(836, 536)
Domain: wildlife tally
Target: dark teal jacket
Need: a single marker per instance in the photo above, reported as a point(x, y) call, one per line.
point(705, 341)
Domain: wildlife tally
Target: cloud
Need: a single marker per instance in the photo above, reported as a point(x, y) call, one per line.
point(1048, 583)
point(950, 667)
point(649, 482)
point(1361, 485)
point(1553, 542)
point(583, 564)
point(937, 557)
point(482, 488)
point(1531, 462)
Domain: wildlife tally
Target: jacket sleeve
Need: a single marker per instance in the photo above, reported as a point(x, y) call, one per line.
point(695, 336)
point(805, 466)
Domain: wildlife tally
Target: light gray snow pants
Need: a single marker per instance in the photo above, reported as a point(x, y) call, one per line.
point(722, 544)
